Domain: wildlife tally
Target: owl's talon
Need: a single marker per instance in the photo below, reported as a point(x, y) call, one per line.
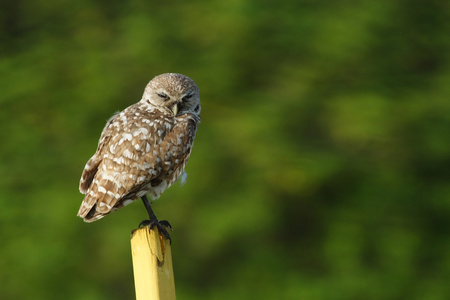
point(162, 229)
point(161, 225)
point(144, 223)
point(166, 223)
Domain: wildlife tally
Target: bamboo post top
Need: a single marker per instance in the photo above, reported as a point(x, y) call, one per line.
point(152, 265)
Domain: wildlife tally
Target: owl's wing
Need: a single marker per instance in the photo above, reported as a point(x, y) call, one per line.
point(135, 163)
point(92, 165)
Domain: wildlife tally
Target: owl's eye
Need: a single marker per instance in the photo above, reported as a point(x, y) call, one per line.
point(163, 96)
point(187, 97)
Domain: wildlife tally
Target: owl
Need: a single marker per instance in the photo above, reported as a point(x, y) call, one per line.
point(143, 149)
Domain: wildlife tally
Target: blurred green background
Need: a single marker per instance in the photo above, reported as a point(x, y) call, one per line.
point(320, 169)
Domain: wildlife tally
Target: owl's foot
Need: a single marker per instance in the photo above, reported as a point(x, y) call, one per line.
point(153, 221)
point(161, 225)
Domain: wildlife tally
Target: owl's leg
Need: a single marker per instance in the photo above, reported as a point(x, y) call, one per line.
point(153, 221)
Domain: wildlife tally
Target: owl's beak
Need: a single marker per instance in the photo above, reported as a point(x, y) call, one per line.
point(175, 109)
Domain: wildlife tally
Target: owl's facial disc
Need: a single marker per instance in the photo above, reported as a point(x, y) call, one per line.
point(173, 92)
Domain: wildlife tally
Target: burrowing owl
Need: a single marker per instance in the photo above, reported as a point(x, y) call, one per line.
point(143, 149)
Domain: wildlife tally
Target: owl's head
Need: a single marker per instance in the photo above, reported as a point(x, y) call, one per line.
point(174, 92)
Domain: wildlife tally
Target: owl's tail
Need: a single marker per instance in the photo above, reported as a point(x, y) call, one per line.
point(88, 210)
point(102, 198)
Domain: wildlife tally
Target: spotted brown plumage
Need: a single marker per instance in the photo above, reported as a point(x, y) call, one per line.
point(143, 149)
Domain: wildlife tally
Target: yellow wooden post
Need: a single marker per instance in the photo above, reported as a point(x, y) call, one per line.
point(152, 265)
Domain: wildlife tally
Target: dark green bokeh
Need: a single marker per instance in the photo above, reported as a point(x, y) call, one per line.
point(320, 169)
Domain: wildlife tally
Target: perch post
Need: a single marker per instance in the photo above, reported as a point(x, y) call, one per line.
point(152, 265)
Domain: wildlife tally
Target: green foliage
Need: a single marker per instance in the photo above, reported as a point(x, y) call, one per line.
point(320, 169)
